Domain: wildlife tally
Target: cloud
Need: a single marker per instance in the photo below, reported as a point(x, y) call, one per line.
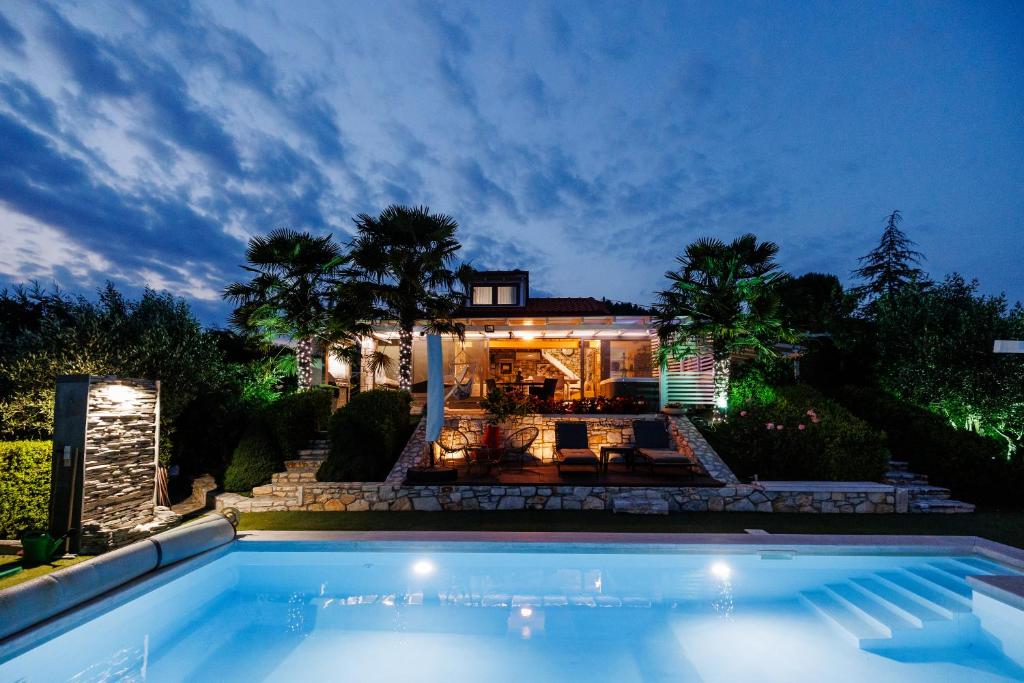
point(10, 37)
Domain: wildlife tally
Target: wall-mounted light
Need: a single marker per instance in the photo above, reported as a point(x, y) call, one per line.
point(488, 328)
point(119, 393)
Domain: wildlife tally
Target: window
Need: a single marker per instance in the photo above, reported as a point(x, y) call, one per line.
point(483, 296)
point(506, 295)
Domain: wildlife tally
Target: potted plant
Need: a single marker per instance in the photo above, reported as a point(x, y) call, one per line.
point(503, 408)
point(673, 408)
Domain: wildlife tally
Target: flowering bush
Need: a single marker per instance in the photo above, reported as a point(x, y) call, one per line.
point(799, 435)
point(620, 405)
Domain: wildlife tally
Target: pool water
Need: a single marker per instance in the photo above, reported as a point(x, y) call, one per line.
point(292, 612)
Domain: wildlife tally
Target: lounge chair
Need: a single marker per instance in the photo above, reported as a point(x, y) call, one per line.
point(653, 444)
point(572, 448)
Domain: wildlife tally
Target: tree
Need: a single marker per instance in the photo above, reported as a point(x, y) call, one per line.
point(935, 350)
point(406, 256)
point(46, 334)
point(723, 295)
point(890, 266)
point(295, 276)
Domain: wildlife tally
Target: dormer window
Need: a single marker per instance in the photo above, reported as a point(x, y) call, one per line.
point(483, 295)
point(496, 295)
point(507, 295)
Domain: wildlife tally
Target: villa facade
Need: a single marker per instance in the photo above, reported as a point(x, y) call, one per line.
point(561, 347)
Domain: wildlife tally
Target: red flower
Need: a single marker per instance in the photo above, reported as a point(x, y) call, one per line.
point(743, 413)
point(802, 427)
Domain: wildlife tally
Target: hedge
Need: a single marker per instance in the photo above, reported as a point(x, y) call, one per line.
point(24, 486)
point(367, 436)
point(799, 435)
point(255, 459)
point(974, 467)
point(295, 418)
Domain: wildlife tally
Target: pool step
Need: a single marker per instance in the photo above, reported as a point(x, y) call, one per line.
point(848, 624)
point(921, 607)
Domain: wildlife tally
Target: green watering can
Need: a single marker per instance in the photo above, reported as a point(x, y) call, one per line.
point(39, 547)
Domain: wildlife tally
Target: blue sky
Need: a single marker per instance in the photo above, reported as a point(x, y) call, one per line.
point(587, 142)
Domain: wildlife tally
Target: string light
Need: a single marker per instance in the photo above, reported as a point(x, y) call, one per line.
point(304, 358)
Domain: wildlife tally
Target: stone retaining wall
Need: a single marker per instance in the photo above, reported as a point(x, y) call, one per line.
point(297, 488)
point(363, 496)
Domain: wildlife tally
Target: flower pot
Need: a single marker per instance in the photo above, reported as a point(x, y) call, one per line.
point(492, 436)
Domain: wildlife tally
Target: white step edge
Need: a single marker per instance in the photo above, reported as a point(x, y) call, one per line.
point(849, 624)
point(931, 598)
point(869, 609)
point(944, 580)
point(899, 602)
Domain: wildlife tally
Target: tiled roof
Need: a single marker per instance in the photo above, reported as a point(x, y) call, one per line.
point(547, 306)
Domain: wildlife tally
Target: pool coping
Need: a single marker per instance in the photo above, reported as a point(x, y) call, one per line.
point(1008, 589)
point(1002, 553)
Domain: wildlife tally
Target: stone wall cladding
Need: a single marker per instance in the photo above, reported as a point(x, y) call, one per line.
point(118, 498)
point(684, 432)
point(411, 454)
point(364, 496)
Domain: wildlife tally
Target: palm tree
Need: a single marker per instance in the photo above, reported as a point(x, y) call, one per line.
point(407, 257)
point(722, 295)
point(295, 276)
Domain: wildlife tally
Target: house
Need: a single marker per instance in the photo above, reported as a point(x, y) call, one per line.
point(572, 347)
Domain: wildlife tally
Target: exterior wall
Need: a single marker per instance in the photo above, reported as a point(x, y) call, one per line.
point(120, 460)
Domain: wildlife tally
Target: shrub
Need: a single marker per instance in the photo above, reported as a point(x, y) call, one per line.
point(367, 436)
point(619, 405)
point(295, 418)
point(24, 486)
point(254, 460)
point(800, 435)
point(974, 467)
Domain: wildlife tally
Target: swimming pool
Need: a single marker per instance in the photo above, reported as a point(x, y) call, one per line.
point(406, 611)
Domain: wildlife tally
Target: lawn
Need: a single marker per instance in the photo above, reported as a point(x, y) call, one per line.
point(9, 561)
point(1004, 527)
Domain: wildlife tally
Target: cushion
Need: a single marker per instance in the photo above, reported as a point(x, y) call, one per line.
point(577, 456)
point(665, 456)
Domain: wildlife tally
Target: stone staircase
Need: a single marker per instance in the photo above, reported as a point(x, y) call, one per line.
point(283, 489)
point(921, 607)
point(922, 496)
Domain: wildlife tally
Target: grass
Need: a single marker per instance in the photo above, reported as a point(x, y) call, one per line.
point(9, 561)
point(1004, 527)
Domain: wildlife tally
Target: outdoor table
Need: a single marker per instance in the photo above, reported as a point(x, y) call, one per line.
point(625, 451)
point(484, 455)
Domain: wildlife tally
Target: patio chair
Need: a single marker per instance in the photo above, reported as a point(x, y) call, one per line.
point(549, 388)
point(572, 448)
point(452, 441)
point(653, 444)
point(518, 443)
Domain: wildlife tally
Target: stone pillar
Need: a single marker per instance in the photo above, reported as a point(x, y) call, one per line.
point(114, 446)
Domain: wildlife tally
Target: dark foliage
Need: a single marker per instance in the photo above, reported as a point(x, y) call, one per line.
point(254, 460)
point(799, 435)
point(296, 418)
point(974, 467)
point(367, 436)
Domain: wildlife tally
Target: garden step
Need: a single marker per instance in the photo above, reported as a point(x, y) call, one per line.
point(265, 490)
point(899, 465)
point(897, 476)
point(928, 491)
point(311, 452)
point(303, 465)
point(940, 505)
point(293, 477)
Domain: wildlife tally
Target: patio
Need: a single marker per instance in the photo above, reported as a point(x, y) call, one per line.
point(545, 473)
